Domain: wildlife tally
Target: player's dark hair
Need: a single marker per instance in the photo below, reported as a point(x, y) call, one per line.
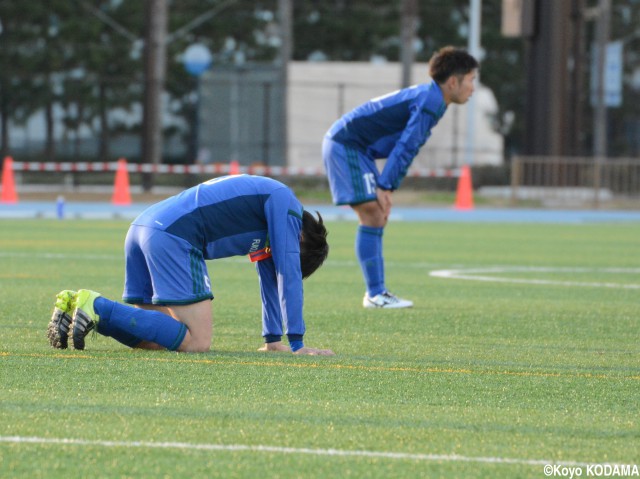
point(314, 248)
point(450, 61)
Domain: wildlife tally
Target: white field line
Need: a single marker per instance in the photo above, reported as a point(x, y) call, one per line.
point(234, 259)
point(471, 274)
point(60, 256)
point(286, 450)
point(479, 274)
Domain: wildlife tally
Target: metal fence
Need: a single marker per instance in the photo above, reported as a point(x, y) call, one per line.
point(578, 180)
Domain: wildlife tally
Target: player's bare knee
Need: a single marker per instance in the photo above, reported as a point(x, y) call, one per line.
point(371, 214)
point(195, 343)
point(375, 220)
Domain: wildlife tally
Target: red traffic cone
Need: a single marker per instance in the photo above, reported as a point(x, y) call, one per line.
point(121, 193)
point(464, 195)
point(234, 167)
point(9, 194)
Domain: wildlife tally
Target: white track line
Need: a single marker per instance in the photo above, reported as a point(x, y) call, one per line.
point(473, 275)
point(286, 450)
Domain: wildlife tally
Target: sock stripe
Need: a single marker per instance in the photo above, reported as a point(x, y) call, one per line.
point(179, 338)
point(194, 284)
point(371, 230)
point(196, 271)
point(356, 174)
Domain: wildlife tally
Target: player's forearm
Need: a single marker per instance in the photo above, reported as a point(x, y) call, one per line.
point(395, 169)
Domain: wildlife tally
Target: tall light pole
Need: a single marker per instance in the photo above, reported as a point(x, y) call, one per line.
point(408, 29)
point(197, 59)
point(285, 14)
point(600, 114)
point(154, 73)
point(474, 49)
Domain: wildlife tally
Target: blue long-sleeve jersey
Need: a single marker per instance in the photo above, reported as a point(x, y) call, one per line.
point(394, 127)
point(238, 215)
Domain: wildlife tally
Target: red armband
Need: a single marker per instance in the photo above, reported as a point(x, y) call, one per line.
point(261, 254)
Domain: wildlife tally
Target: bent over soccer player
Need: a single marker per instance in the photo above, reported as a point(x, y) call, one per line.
point(394, 127)
point(166, 276)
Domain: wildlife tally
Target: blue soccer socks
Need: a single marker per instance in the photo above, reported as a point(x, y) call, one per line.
point(126, 324)
point(369, 254)
point(106, 328)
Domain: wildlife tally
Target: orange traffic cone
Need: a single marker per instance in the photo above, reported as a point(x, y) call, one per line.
point(234, 167)
point(464, 195)
point(121, 193)
point(9, 194)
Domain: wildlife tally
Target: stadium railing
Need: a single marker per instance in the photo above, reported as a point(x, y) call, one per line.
point(581, 180)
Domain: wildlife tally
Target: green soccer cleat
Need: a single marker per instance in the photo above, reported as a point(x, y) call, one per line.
point(85, 318)
point(60, 324)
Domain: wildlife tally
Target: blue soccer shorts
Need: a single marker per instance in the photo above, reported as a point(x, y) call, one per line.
point(163, 269)
point(352, 175)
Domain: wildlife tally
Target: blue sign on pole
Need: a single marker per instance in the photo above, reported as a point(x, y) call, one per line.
point(613, 69)
point(613, 74)
point(197, 59)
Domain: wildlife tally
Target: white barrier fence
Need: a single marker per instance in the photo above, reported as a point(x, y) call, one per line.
point(207, 169)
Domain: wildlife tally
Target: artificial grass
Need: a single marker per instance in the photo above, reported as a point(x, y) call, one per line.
point(479, 379)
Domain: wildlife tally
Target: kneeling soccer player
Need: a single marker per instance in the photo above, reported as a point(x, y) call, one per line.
point(166, 278)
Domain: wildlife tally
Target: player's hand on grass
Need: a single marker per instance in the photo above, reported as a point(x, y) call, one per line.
point(315, 352)
point(277, 346)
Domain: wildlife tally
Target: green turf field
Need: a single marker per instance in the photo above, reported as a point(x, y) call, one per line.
point(534, 359)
